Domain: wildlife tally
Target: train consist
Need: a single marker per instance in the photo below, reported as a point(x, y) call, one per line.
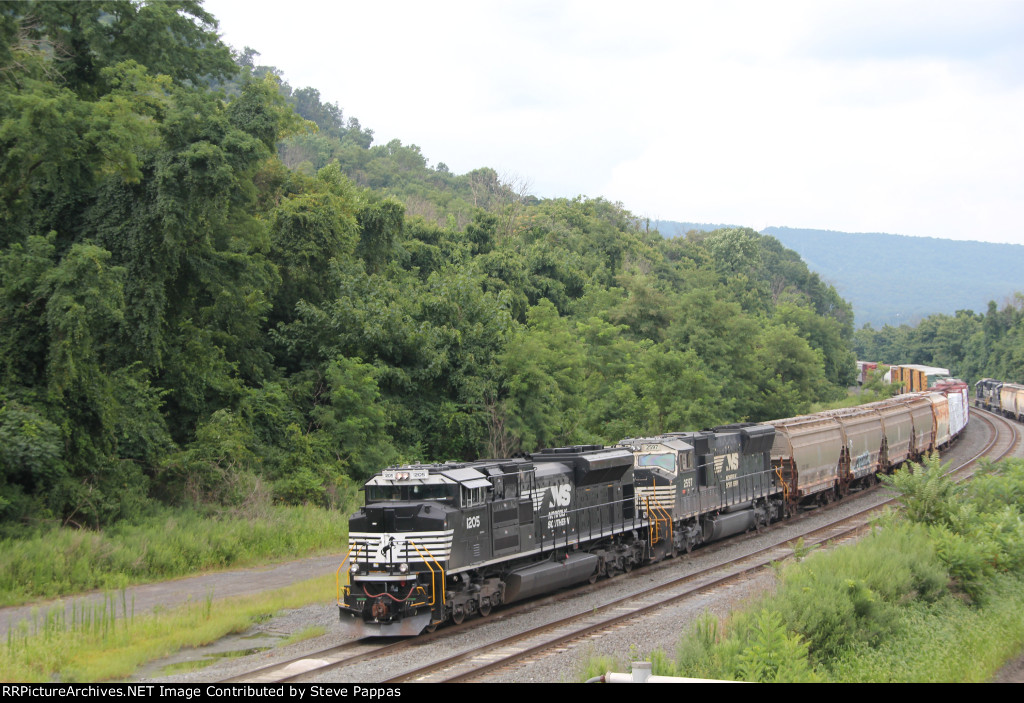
point(440, 542)
point(998, 397)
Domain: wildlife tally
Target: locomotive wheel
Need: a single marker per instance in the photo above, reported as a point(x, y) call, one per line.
point(485, 607)
point(627, 565)
point(689, 544)
point(458, 615)
point(431, 627)
point(593, 578)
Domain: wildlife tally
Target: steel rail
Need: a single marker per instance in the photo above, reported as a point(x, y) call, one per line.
point(308, 666)
point(483, 663)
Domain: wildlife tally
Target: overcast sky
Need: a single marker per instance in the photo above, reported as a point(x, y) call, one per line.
point(897, 117)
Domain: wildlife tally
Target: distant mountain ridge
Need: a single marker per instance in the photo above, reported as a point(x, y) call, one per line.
point(895, 279)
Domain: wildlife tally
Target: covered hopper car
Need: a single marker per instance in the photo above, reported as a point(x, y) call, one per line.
point(443, 542)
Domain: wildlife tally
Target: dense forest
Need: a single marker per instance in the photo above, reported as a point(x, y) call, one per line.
point(970, 345)
point(216, 289)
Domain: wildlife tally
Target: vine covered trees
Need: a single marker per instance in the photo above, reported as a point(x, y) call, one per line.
point(213, 289)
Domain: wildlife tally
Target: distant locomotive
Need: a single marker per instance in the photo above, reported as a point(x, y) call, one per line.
point(440, 542)
point(999, 397)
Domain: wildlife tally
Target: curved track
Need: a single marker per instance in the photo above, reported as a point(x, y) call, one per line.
point(529, 644)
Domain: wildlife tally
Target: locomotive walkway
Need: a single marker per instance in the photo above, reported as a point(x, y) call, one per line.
point(226, 584)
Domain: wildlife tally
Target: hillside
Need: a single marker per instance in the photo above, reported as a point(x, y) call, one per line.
point(895, 279)
point(892, 279)
point(228, 295)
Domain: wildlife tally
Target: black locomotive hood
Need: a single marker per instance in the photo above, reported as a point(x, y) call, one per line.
point(400, 516)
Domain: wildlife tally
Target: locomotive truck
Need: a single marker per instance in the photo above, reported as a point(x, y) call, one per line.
point(443, 542)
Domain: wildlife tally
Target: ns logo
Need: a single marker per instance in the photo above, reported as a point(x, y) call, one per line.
point(560, 496)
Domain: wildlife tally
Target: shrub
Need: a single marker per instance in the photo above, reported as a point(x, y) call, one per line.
point(926, 493)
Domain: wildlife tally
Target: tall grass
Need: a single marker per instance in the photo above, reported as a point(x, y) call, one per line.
point(58, 562)
point(933, 594)
point(881, 610)
point(93, 645)
point(948, 640)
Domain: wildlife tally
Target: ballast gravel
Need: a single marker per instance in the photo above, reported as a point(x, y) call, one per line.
point(631, 642)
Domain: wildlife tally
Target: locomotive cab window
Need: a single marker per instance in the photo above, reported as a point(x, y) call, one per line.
point(473, 496)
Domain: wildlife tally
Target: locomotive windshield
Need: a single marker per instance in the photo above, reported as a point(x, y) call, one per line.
point(662, 461)
point(378, 494)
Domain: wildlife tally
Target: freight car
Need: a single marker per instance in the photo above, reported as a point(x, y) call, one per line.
point(959, 403)
point(864, 371)
point(1011, 401)
point(824, 456)
point(440, 542)
point(915, 377)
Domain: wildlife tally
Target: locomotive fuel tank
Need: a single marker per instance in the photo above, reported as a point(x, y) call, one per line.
point(443, 542)
point(447, 541)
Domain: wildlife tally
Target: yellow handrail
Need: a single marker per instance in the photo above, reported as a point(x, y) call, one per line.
point(785, 486)
point(656, 519)
point(337, 577)
point(668, 519)
point(652, 526)
point(433, 587)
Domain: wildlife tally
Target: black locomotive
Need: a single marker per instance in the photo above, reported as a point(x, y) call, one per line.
point(1000, 397)
point(697, 487)
point(448, 541)
point(987, 394)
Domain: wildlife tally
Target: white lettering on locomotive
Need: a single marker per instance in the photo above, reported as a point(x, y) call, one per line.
point(728, 462)
point(558, 518)
point(560, 495)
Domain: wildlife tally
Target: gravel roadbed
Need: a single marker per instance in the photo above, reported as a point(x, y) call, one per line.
point(630, 642)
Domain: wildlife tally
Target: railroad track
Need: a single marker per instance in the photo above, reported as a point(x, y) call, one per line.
point(1003, 442)
point(528, 645)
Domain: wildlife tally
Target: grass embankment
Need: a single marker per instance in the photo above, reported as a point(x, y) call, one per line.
point(56, 562)
point(110, 642)
point(935, 593)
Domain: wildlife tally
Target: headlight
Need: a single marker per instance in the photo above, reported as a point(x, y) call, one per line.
point(354, 568)
point(403, 568)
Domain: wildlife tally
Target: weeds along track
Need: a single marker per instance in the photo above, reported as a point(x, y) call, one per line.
point(508, 651)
